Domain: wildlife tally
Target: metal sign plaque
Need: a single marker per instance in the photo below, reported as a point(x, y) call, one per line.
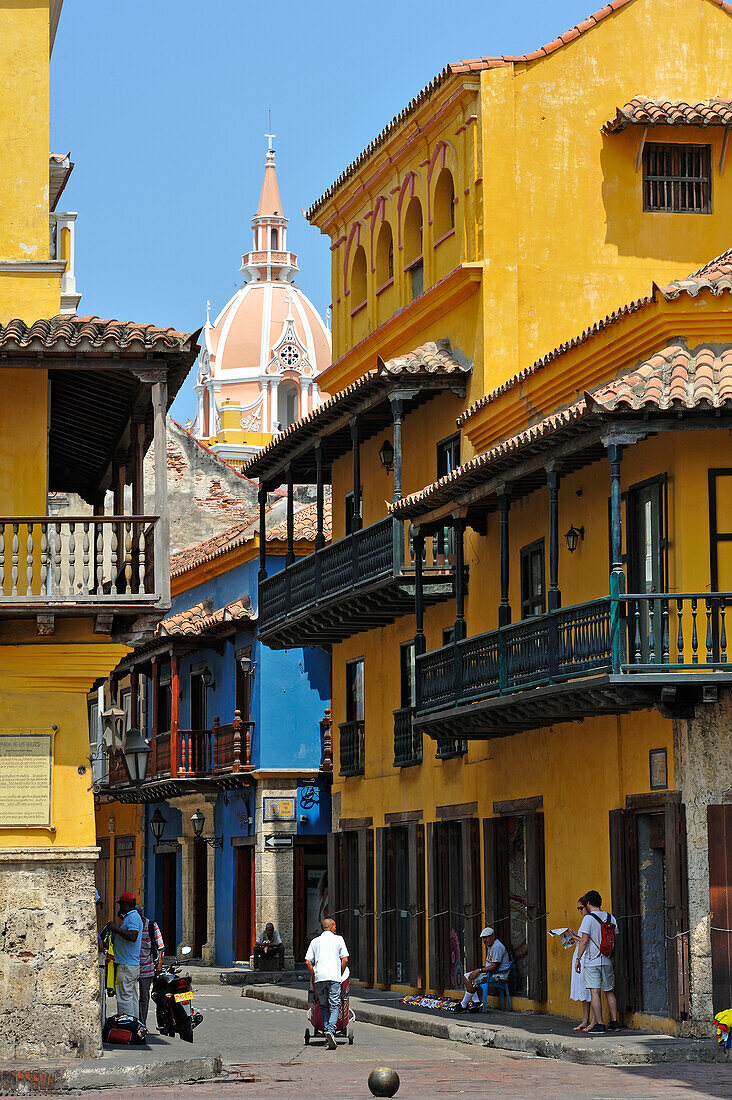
point(275, 841)
point(25, 778)
point(278, 809)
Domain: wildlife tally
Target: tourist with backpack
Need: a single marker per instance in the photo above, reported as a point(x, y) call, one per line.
point(597, 946)
point(152, 950)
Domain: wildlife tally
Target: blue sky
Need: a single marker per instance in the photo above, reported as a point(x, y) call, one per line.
point(163, 104)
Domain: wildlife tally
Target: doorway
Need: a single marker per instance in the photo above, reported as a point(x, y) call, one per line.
point(454, 909)
point(124, 866)
point(400, 885)
point(244, 899)
point(200, 897)
point(168, 899)
point(647, 545)
point(310, 893)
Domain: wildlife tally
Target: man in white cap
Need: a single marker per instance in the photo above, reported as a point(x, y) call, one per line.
point(497, 962)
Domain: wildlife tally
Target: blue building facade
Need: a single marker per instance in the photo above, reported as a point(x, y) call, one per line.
point(240, 733)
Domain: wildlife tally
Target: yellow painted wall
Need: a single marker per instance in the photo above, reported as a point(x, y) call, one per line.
point(126, 820)
point(24, 402)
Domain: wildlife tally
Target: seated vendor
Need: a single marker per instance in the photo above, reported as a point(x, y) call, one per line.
point(497, 963)
point(269, 945)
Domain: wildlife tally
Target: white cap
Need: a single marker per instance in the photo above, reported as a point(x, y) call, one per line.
point(487, 931)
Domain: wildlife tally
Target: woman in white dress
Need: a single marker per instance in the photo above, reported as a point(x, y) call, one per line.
point(578, 991)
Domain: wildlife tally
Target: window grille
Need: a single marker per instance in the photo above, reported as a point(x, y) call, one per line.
point(677, 178)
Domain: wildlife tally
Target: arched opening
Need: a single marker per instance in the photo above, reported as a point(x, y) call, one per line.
point(274, 239)
point(358, 278)
point(443, 219)
point(287, 402)
point(413, 231)
point(384, 255)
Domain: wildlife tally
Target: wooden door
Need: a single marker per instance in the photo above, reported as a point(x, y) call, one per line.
point(719, 840)
point(244, 899)
point(200, 897)
point(124, 865)
point(626, 908)
point(167, 865)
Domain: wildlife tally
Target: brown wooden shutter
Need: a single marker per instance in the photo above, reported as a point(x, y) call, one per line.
point(536, 905)
point(496, 887)
point(366, 905)
point(472, 909)
point(433, 924)
point(677, 911)
point(719, 840)
point(416, 902)
point(626, 908)
point(383, 902)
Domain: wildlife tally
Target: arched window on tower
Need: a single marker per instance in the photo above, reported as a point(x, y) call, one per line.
point(384, 255)
point(358, 278)
point(287, 402)
point(413, 245)
point(444, 205)
point(274, 239)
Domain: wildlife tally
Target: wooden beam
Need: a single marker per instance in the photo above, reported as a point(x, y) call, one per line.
point(641, 146)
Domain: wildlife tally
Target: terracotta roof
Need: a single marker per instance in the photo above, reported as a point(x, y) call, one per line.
point(91, 334)
point(433, 360)
point(642, 111)
point(305, 522)
point(674, 378)
point(185, 560)
point(715, 276)
point(469, 66)
point(202, 619)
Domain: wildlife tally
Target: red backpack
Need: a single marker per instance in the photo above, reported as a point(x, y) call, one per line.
point(607, 935)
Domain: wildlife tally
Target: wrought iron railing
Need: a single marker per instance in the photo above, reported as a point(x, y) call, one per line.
point(656, 632)
point(407, 741)
point(381, 550)
point(86, 559)
point(447, 748)
point(352, 748)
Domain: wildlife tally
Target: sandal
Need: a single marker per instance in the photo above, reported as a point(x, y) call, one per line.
point(596, 1029)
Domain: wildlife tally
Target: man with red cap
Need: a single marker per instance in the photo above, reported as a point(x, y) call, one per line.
point(127, 940)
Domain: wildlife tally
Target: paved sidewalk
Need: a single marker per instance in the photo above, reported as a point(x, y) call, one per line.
point(532, 1033)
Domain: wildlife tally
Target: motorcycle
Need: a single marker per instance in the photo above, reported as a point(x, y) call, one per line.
point(173, 999)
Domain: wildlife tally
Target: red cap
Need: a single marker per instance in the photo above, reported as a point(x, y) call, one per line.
point(128, 899)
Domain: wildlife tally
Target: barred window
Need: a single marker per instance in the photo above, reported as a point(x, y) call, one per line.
point(677, 178)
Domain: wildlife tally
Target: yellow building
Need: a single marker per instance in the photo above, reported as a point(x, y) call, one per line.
point(490, 772)
point(80, 402)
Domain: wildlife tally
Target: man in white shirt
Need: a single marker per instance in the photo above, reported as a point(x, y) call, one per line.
point(497, 963)
point(598, 970)
point(327, 959)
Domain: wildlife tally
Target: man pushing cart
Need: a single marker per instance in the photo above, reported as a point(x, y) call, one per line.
point(327, 962)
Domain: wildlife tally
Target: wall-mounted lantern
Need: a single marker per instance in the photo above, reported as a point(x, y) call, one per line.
point(573, 537)
point(157, 824)
point(207, 678)
point(136, 755)
point(198, 820)
point(386, 455)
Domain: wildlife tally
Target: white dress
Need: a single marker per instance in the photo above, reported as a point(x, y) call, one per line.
point(578, 990)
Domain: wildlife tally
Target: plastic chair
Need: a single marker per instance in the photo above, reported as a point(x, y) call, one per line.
point(500, 988)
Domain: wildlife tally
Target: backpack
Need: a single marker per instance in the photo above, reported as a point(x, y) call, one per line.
point(124, 1029)
point(607, 935)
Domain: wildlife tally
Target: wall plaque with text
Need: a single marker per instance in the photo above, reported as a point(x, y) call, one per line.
point(25, 778)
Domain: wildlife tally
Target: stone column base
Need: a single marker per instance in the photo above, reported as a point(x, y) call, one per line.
point(49, 974)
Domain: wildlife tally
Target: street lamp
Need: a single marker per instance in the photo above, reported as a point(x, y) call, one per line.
point(157, 824)
point(386, 455)
point(207, 677)
point(573, 537)
point(136, 754)
point(198, 820)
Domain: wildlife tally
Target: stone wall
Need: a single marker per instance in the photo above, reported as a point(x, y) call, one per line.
point(49, 973)
point(274, 869)
point(704, 777)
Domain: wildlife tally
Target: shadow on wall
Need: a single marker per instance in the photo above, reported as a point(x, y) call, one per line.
point(315, 667)
point(682, 239)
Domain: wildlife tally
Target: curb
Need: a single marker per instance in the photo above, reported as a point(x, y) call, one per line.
point(645, 1050)
point(33, 1080)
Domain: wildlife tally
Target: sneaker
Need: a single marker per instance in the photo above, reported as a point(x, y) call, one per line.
point(459, 1008)
point(330, 1040)
point(596, 1029)
point(614, 1026)
point(476, 1006)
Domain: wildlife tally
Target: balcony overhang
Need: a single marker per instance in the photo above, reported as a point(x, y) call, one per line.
point(159, 790)
point(415, 378)
point(676, 695)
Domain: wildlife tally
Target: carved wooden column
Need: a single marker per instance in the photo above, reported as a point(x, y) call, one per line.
point(174, 713)
point(262, 497)
point(290, 558)
point(419, 639)
point(319, 504)
point(356, 521)
point(504, 610)
point(157, 379)
point(459, 529)
point(617, 577)
point(554, 597)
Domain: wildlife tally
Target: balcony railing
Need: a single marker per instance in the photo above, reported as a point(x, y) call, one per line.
point(352, 748)
point(449, 748)
point(232, 745)
point(660, 633)
point(371, 558)
point(407, 740)
point(51, 561)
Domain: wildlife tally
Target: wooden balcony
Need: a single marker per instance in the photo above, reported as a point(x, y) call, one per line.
point(352, 748)
point(609, 656)
point(84, 565)
point(360, 582)
point(407, 740)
